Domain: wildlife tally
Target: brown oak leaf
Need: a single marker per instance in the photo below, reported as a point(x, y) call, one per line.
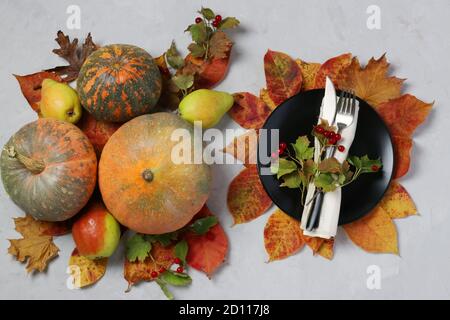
point(375, 233)
point(85, 272)
point(247, 199)
point(372, 82)
point(397, 202)
point(282, 236)
point(72, 53)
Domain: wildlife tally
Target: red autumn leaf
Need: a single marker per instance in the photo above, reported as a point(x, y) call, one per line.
point(331, 68)
point(244, 147)
point(208, 73)
point(370, 83)
point(404, 114)
point(208, 251)
point(402, 155)
point(283, 76)
point(31, 86)
point(282, 236)
point(249, 111)
point(97, 131)
point(247, 199)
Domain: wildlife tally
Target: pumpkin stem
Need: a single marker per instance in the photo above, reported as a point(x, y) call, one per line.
point(147, 175)
point(35, 166)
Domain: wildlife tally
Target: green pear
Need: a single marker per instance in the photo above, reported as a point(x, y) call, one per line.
point(59, 101)
point(207, 106)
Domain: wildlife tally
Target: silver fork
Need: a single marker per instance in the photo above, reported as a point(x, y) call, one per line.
point(345, 113)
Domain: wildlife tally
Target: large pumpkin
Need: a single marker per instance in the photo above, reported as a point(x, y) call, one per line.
point(141, 185)
point(49, 169)
point(119, 82)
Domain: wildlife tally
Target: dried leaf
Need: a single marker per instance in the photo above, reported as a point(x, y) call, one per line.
point(31, 86)
point(282, 236)
point(72, 53)
point(314, 243)
point(173, 58)
point(247, 199)
point(97, 131)
point(138, 271)
point(371, 83)
point(374, 233)
point(402, 155)
point(29, 227)
point(265, 97)
point(249, 111)
point(220, 45)
point(397, 202)
point(207, 251)
point(283, 76)
point(36, 250)
point(85, 272)
point(332, 68)
point(326, 249)
point(309, 71)
point(244, 147)
point(404, 114)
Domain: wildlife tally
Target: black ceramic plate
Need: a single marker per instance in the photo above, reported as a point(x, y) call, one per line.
point(296, 117)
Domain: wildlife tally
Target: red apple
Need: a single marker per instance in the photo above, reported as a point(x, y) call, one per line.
point(96, 233)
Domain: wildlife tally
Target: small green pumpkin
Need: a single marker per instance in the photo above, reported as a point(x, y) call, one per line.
point(49, 169)
point(119, 82)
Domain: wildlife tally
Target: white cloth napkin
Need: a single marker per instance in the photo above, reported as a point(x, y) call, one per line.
point(331, 205)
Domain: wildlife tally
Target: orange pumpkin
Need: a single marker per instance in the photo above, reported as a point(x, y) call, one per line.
point(141, 185)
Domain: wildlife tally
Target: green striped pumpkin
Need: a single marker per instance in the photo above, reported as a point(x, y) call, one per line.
point(119, 82)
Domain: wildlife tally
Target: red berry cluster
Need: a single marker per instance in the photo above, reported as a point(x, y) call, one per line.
point(332, 137)
point(155, 274)
point(375, 168)
point(281, 149)
point(217, 20)
point(180, 269)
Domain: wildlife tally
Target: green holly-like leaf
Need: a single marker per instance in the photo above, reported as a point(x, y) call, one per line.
point(164, 289)
point(138, 248)
point(330, 165)
point(197, 50)
point(282, 167)
point(164, 239)
point(173, 57)
point(228, 23)
point(326, 181)
point(292, 180)
point(364, 164)
point(207, 13)
point(183, 81)
point(181, 250)
point(348, 174)
point(302, 149)
point(198, 32)
point(176, 279)
point(202, 225)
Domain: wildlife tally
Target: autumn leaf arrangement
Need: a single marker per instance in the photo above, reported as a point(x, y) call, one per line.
point(403, 113)
point(164, 258)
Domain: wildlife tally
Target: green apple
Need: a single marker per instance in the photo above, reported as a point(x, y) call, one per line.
point(96, 233)
point(59, 101)
point(207, 106)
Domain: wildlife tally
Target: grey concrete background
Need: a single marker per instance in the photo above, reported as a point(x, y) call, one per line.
point(414, 34)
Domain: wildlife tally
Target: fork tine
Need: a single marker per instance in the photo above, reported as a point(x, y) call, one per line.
point(340, 102)
point(347, 103)
point(353, 108)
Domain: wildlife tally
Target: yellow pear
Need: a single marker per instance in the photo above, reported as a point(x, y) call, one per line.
point(59, 101)
point(207, 106)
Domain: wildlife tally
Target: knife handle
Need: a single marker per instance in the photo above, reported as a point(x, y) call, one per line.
point(313, 219)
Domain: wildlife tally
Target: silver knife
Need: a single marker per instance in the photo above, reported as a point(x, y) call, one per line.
point(328, 112)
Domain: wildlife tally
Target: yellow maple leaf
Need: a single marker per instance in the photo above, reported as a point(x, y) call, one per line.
point(374, 233)
point(370, 83)
point(84, 271)
point(309, 71)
